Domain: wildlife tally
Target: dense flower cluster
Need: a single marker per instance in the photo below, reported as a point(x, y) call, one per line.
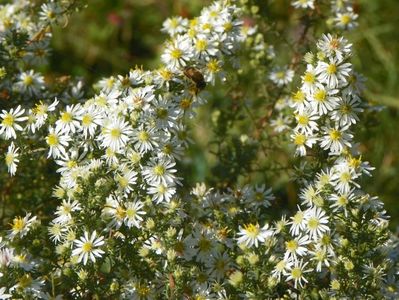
point(126, 225)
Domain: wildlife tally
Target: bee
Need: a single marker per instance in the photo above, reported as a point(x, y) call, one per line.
point(196, 76)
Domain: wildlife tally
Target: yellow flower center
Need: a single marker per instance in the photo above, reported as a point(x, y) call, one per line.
point(8, 120)
point(201, 45)
point(71, 164)
point(332, 69)
point(296, 273)
point(28, 80)
point(345, 19)
point(213, 66)
point(291, 245)
point(52, 139)
point(300, 139)
point(309, 77)
point(252, 230)
point(87, 120)
point(320, 95)
point(18, 224)
point(87, 247)
point(299, 96)
point(313, 223)
point(115, 133)
point(131, 213)
point(176, 53)
point(303, 119)
point(9, 158)
point(159, 170)
point(335, 135)
point(143, 136)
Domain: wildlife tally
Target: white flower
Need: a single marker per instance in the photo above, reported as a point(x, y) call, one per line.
point(324, 99)
point(57, 142)
point(316, 221)
point(307, 121)
point(346, 19)
point(251, 234)
point(41, 112)
point(301, 140)
point(133, 213)
point(281, 76)
point(175, 25)
point(298, 222)
point(161, 192)
point(160, 170)
point(295, 271)
point(303, 4)
point(177, 52)
point(115, 134)
point(88, 247)
point(296, 247)
point(145, 139)
point(68, 119)
point(30, 83)
point(334, 46)
point(335, 139)
point(11, 159)
point(9, 124)
point(64, 211)
point(334, 73)
point(309, 80)
point(345, 114)
point(21, 226)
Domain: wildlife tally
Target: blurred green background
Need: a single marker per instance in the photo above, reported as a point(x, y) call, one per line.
point(109, 37)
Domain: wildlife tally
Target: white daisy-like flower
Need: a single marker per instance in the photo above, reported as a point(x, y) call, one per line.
point(303, 140)
point(90, 119)
point(161, 192)
point(346, 19)
point(295, 271)
point(11, 159)
point(87, 248)
point(68, 121)
point(175, 25)
point(324, 99)
point(281, 76)
point(30, 83)
point(115, 134)
point(134, 213)
point(346, 112)
point(177, 52)
point(309, 80)
point(160, 170)
point(251, 234)
point(145, 139)
point(41, 111)
point(21, 226)
point(316, 221)
point(306, 121)
point(9, 120)
point(334, 73)
point(65, 210)
point(334, 46)
point(335, 139)
point(296, 246)
point(57, 141)
point(303, 4)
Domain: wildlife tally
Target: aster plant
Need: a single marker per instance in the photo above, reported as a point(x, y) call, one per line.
point(123, 222)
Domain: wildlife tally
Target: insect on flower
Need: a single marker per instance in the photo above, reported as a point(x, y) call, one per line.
point(196, 76)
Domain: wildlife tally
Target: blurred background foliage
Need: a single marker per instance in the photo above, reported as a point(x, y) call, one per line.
point(109, 37)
